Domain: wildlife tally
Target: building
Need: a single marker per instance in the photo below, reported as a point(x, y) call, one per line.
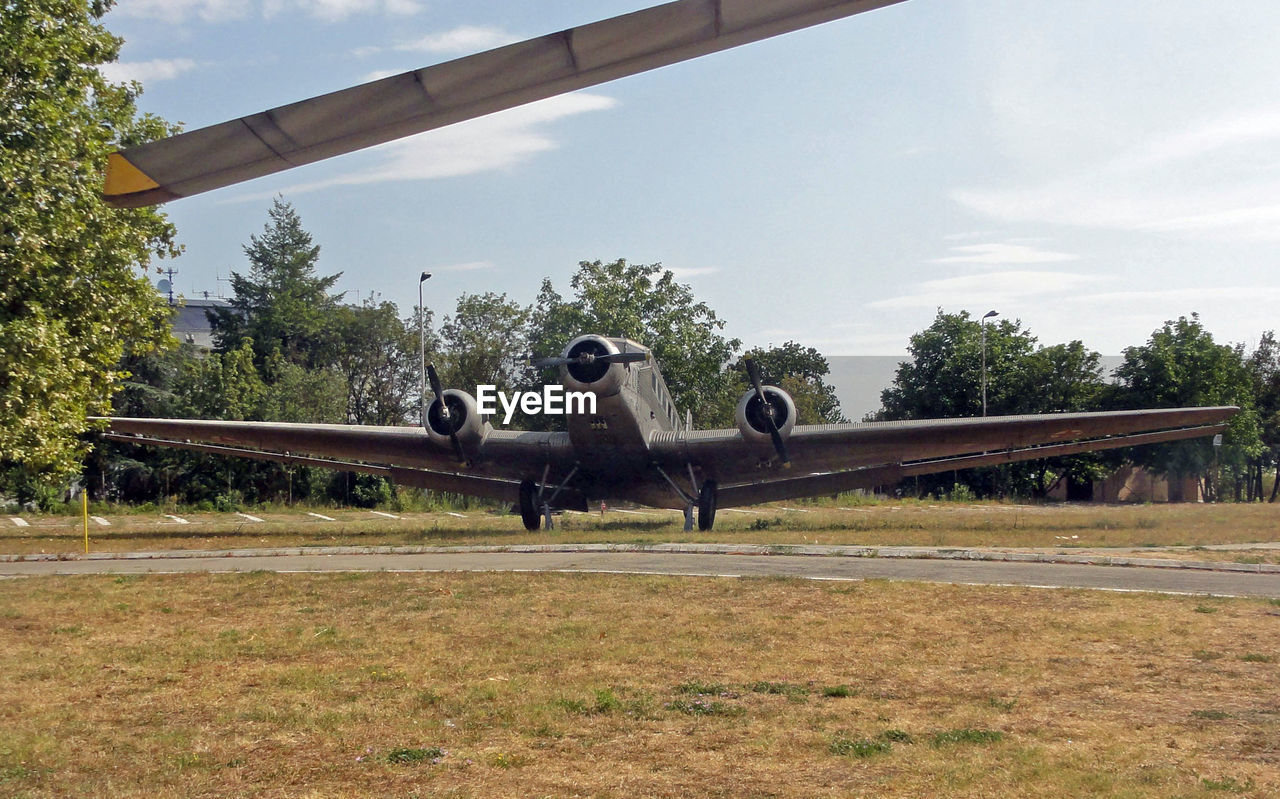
point(191, 320)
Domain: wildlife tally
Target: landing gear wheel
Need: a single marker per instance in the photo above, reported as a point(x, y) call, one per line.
point(530, 513)
point(707, 505)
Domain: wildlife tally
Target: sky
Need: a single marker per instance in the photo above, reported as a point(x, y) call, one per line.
point(1090, 168)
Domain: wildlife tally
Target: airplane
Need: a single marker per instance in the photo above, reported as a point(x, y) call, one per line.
point(635, 447)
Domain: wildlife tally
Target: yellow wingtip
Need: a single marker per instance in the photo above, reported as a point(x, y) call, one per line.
point(125, 178)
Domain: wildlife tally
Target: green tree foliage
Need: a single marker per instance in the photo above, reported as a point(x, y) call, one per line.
point(644, 302)
point(943, 379)
point(281, 304)
point(801, 372)
point(222, 385)
point(484, 342)
point(74, 297)
point(1264, 371)
point(1182, 366)
point(377, 354)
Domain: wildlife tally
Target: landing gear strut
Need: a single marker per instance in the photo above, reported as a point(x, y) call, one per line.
point(707, 505)
point(535, 509)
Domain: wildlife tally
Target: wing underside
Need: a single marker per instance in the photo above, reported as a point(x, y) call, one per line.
point(403, 454)
point(414, 102)
point(828, 459)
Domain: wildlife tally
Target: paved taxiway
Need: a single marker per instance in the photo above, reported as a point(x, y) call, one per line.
point(978, 572)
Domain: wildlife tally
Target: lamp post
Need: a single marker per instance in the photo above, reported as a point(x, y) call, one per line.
point(988, 315)
point(422, 353)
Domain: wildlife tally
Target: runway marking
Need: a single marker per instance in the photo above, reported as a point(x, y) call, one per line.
point(459, 515)
point(740, 510)
point(322, 516)
point(796, 510)
point(248, 516)
point(101, 522)
point(176, 519)
point(633, 512)
point(19, 521)
point(386, 515)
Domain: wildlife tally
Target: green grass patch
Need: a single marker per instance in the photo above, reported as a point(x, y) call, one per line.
point(966, 735)
point(838, 691)
point(857, 747)
point(405, 755)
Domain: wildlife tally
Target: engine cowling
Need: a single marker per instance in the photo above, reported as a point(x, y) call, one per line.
point(601, 377)
point(464, 419)
point(753, 420)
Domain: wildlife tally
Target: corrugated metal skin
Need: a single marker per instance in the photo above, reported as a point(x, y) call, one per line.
point(429, 98)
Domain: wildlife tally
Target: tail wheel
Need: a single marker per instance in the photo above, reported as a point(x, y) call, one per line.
point(707, 505)
point(529, 512)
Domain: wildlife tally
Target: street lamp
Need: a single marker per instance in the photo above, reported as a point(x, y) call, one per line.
point(422, 352)
point(988, 315)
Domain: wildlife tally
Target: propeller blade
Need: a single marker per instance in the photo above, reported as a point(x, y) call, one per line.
point(753, 372)
point(548, 363)
point(438, 390)
point(590, 357)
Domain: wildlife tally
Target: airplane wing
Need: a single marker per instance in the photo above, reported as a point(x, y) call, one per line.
point(827, 459)
point(403, 454)
point(429, 98)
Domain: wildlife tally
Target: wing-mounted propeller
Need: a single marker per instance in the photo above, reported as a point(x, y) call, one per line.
point(766, 411)
point(452, 416)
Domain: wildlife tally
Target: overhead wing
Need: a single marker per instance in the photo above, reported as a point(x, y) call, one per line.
point(831, 458)
point(404, 454)
point(429, 98)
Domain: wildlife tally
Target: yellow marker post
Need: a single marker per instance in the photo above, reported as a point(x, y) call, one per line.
point(84, 504)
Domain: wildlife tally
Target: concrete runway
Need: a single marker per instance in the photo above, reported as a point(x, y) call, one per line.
point(975, 572)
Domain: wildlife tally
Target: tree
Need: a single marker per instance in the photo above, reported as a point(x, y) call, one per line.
point(801, 372)
point(1264, 371)
point(944, 379)
point(281, 304)
point(644, 302)
point(74, 297)
point(1181, 366)
point(377, 353)
point(484, 342)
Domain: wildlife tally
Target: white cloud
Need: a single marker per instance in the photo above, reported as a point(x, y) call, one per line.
point(497, 141)
point(145, 72)
point(1003, 253)
point(338, 10)
point(1152, 116)
point(181, 10)
point(1219, 178)
point(221, 10)
point(462, 39)
point(990, 289)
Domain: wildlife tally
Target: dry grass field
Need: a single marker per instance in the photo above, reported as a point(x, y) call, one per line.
point(1070, 527)
point(501, 685)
